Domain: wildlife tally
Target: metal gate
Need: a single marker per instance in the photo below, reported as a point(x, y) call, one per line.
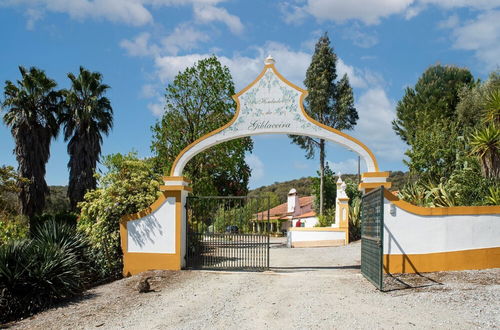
point(228, 233)
point(372, 237)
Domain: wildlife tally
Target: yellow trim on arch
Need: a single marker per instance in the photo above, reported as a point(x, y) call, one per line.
point(302, 97)
point(429, 211)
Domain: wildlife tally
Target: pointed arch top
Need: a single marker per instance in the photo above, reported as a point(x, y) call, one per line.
point(272, 105)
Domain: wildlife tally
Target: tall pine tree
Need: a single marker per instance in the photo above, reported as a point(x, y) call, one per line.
point(330, 102)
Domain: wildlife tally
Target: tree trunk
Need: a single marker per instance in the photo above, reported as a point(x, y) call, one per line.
point(322, 173)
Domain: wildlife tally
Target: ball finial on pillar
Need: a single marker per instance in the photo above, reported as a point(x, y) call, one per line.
point(269, 60)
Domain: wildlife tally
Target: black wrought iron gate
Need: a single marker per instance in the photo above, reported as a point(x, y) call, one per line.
point(372, 237)
point(228, 233)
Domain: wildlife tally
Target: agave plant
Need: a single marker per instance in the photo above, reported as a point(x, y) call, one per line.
point(439, 196)
point(491, 112)
point(485, 145)
point(493, 198)
point(413, 193)
point(36, 273)
point(355, 219)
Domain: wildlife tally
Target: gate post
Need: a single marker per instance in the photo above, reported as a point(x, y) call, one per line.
point(155, 238)
point(373, 180)
point(180, 185)
point(342, 209)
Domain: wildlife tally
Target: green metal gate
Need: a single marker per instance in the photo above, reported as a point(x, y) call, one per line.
point(372, 237)
point(228, 233)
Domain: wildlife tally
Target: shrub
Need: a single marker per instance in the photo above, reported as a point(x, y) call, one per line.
point(36, 273)
point(355, 219)
point(327, 219)
point(129, 186)
point(12, 228)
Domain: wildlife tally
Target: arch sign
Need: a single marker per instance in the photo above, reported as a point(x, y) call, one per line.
point(273, 105)
point(155, 238)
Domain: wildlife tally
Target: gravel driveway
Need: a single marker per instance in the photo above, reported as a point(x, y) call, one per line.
point(314, 288)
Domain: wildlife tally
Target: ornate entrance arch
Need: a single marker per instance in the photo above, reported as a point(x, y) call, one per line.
point(155, 238)
point(273, 105)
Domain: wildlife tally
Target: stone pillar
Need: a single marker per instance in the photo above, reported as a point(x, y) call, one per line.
point(342, 209)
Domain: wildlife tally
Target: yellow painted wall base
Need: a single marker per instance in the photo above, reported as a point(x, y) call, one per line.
point(135, 263)
point(334, 242)
point(444, 261)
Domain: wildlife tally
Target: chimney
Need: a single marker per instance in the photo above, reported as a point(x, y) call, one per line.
point(292, 201)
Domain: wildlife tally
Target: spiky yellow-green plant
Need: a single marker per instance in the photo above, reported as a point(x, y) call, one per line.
point(485, 144)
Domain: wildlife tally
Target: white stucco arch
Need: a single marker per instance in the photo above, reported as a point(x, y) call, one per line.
point(272, 105)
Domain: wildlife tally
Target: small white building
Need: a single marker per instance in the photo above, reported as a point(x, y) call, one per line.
point(296, 212)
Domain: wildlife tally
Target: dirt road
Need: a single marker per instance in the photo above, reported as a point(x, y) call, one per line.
point(315, 288)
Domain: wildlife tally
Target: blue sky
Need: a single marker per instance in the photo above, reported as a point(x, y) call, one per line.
point(139, 46)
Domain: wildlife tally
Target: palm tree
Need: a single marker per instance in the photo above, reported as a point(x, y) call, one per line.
point(87, 115)
point(32, 109)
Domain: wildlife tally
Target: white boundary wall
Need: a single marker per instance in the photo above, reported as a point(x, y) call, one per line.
point(408, 233)
point(313, 235)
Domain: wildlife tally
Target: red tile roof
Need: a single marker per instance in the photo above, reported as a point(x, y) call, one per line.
point(280, 211)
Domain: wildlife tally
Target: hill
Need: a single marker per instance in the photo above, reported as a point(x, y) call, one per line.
point(303, 185)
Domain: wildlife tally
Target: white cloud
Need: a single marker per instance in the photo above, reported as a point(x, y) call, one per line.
point(139, 46)
point(482, 36)
point(371, 12)
point(367, 11)
point(256, 166)
point(209, 13)
point(156, 108)
point(33, 15)
point(360, 38)
point(292, 64)
point(184, 37)
point(131, 12)
point(450, 22)
point(348, 166)
point(374, 128)
point(450, 4)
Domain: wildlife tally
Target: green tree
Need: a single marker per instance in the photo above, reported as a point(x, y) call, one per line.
point(129, 185)
point(426, 121)
point(32, 109)
point(480, 102)
point(9, 187)
point(88, 114)
point(197, 102)
point(329, 189)
point(329, 101)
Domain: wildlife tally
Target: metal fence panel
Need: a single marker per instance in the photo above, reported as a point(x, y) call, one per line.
point(372, 237)
point(222, 233)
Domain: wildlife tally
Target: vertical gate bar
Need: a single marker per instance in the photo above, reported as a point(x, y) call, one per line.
point(381, 238)
point(224, 240)
point(238, 261)
point(268, 235)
